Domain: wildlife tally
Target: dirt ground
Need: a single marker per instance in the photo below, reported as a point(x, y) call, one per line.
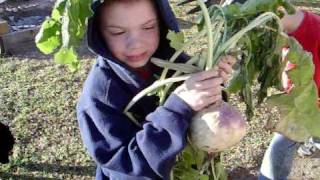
point(303, 168)
point(306, 168)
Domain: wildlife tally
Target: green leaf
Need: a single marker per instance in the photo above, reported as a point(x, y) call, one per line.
point(220, 171)
point(48, 38)
point(236, 83)
point(189, 164)
point(65, 28)
point(232, 10)
point(300, 114)
point(188, 158)
point(204, 177)
point(304, 74)
point(256, 7)
point(176, 39)
point(73, 22)
point(291, 128)
point(199, 156)
point(67, 56)
point(58, 9)
point(307, 95)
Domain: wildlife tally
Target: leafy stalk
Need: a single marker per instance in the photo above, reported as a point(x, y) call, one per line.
point(207, 20)
point(154, 86)
point(178, 52)
point(180, 67)
point(63, 31)
point(221, 28)
point(193, 60)
point(260, 20)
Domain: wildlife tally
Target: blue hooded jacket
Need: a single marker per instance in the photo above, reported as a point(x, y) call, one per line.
point(121, 149)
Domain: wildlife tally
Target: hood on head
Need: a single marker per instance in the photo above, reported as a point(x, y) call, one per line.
point(167, 22)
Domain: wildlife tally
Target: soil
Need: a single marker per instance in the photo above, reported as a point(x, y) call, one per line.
point(303, 168)
point(306, 168)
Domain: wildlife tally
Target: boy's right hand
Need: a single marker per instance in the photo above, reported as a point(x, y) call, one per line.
point(201, 89)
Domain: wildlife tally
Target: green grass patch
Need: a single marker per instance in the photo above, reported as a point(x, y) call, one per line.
point(37, 100)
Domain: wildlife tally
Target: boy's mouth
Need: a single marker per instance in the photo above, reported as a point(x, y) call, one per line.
point(137, 57)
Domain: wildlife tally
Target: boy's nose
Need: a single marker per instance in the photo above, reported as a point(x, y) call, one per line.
point(133, 42)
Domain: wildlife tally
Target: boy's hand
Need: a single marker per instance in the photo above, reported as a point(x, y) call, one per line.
point(225, 67)
point(201, 89)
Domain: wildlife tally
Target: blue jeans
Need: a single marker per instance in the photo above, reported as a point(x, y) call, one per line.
point(278, 158)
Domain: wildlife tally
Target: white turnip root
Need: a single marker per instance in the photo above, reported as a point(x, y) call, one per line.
point(217, 128)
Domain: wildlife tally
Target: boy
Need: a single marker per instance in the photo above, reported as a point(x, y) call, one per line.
point(125, 34)
point(277, 161)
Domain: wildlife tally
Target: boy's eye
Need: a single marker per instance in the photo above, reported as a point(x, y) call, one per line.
point(149, 27)
point(117, 33)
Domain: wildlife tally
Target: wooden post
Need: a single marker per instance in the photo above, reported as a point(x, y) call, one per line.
point(20, 41)
point(4, 27)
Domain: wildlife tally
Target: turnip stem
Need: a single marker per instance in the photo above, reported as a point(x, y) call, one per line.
point(191, 61)
point(178, 52)
point(132, 118)
point(274, 30)
point(263, 18)
point(222, 26)
point(213, 169)
point(181, 67)
point(207, 20)
point(153, 87)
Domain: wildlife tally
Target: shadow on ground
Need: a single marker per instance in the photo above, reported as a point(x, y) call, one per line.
point(243, 173)
point(50, 168)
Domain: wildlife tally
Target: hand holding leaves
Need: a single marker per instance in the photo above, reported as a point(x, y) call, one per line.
point(225, 67)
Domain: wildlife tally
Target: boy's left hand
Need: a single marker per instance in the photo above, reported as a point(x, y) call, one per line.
point(225, 67)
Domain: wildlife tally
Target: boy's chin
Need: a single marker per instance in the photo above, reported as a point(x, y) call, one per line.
point(137, 65)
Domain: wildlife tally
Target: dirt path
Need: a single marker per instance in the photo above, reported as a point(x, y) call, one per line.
point(306, 168)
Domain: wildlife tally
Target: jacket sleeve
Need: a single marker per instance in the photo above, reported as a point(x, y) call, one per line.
point(123, 150)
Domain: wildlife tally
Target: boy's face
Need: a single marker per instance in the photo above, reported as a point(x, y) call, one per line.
point(131, 31)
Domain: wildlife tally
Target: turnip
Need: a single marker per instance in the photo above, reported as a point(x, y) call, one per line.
point(212, 129)
point(217, 127)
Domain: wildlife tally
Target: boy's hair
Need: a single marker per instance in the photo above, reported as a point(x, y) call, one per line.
point(109, 2)
point(106, 2)
point(6, 143)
